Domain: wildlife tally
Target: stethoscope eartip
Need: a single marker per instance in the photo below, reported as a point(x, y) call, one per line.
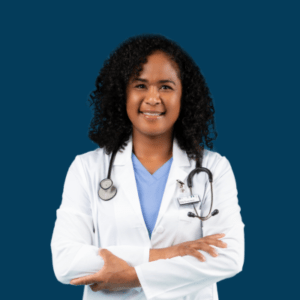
point(215, 212)
point(190, 214)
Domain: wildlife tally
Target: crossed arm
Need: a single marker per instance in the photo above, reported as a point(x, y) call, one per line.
point(74, 255)
point(117, 275)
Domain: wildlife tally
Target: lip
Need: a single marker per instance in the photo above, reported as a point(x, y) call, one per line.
point(152, 111)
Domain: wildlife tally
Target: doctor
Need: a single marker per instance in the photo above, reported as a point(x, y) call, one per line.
point(152, 103)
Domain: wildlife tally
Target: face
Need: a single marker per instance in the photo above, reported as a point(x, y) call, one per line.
point(156, 90)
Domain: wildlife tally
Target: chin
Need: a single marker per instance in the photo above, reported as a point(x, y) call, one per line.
point(153, 133)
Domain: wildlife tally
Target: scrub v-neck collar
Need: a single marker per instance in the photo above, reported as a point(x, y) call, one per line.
point(157, 174)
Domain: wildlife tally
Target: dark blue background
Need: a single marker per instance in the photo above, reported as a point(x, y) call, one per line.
point(51, 53)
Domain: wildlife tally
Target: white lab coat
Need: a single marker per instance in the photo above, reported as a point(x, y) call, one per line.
point(119, 227)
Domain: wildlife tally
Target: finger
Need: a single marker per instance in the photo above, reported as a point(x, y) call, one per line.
point(195, 253)
point(89, 279)
point(214, 236)
point(210, 237)
point(205, 247)
point(214, 242)
point(185, 250)
point(96, 287)
point(93, 287)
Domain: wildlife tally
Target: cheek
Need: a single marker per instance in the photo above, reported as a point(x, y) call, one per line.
point(132, 110)
point(132, 102)
point(129, 105)
point(175, 109)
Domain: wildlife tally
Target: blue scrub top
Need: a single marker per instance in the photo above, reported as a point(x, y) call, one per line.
point(150, 189)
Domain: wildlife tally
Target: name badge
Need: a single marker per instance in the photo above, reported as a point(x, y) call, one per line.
point(189, 199)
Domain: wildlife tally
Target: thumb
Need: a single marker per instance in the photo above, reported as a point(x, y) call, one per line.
point(89, 279)
point(104, 253)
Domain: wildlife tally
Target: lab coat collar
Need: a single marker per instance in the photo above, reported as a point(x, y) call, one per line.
point(180, 157)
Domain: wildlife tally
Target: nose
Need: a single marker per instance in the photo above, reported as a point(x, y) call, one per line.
point(153, 96)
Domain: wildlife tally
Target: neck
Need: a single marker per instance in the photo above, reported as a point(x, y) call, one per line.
point(152, 147)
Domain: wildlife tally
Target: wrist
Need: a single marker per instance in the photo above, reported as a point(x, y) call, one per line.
point(134, 280)
point(156, 254)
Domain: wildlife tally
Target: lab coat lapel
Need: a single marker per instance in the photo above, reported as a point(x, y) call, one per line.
point(126, 179)
point(127, 184)
point(179, 171)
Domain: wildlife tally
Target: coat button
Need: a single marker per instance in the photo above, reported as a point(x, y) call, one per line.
point(160, 229)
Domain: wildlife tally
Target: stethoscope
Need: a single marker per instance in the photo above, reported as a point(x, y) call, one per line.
point(108, 191)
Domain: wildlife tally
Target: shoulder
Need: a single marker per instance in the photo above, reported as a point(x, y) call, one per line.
point(216, 163)
point(87, 165)
point(91, 159)
point(92, 155)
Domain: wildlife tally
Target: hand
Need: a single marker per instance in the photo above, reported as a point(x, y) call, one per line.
point(115, 275)
point(190, 248)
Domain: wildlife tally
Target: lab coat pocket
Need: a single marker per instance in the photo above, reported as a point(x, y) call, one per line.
point(189, 229)
point(183, 213)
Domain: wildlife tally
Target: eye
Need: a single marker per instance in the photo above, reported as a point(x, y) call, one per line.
point(166, 87)
point(140, 86)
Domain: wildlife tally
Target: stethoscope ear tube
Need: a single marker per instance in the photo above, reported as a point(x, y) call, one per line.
point(107, 190)
point(189, 183)
point(198, 170)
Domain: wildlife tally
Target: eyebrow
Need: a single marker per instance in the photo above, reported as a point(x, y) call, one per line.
point(160, 81)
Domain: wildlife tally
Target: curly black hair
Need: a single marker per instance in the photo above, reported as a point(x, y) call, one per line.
point(110, 126)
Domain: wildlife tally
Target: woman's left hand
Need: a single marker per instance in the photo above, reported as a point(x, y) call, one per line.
point(115, 275)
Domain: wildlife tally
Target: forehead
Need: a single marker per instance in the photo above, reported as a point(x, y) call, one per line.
point(160, 65)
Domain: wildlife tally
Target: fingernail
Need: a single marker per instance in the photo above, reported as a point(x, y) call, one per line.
point(215, 253)
point(225, 245)
point(203, 259)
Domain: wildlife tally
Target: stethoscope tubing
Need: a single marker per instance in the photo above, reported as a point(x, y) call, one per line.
point(107, 191)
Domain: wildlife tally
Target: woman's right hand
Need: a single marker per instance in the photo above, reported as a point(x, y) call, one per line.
point(190, 248)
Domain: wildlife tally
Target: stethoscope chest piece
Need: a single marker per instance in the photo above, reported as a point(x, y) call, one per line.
point(107, 191)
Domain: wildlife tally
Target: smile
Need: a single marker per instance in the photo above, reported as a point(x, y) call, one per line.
point(152, 115)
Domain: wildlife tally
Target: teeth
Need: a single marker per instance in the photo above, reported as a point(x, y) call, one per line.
point(152, 114)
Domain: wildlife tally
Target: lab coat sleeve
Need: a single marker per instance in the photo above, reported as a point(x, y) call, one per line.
point(73, 252)
point(181, 276)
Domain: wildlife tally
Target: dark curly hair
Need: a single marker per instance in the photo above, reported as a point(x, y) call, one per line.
point(110, 126)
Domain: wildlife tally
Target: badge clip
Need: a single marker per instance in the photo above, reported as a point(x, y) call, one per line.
point(181, 186)
point(189, 199)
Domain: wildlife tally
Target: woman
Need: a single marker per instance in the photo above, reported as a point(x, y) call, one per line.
point(153, 108)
